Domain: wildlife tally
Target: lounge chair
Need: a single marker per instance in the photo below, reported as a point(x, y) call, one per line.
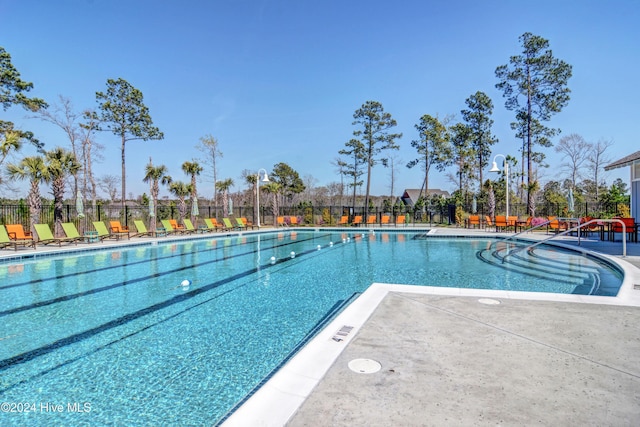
point(241, 225)
point(71, 232)
point(176, 226)
point(344, 220)
point(372, 220)
point(401, 220)
point(189, 228)
point(213, 224)
point(247, 223)
point(384, 220)
point(6, 241)
point(116, 228)
point(16, 232)
point(45, 236)
point(103, 233)
point(141, 229)
point(168, 227)
point(357, 220)
point(293, 220)
point(228, 225)
point(280, 221)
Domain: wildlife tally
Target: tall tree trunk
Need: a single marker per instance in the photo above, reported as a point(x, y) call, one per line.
point(34, 206)
point(57, 187)
point(124, 177)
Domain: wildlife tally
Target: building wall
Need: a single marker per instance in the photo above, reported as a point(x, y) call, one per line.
point(635, 190)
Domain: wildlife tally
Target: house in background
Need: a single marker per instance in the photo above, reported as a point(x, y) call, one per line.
point(411, 196)
point(632, 160)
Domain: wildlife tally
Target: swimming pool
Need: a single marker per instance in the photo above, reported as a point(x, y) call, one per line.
point(112, 337)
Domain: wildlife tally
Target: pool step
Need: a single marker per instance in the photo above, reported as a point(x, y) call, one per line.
point(545, 264)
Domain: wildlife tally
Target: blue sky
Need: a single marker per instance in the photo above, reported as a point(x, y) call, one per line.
point(278, 81)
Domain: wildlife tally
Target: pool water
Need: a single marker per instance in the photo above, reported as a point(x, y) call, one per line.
point(114, 338)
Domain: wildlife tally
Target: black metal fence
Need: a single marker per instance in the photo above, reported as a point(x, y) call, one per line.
point(307, 215)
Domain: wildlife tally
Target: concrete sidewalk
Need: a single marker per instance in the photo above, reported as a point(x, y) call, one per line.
point(449, 360)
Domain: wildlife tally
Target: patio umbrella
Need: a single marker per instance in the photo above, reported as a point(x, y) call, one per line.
point(152, 208)
point(230, 206)
point(570, 200)
point(474, 205)
point(79, 205)
point(194, 207)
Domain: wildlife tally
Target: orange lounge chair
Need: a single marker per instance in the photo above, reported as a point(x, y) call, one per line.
point(16, 232)
point(247, 223)
point(215, 225)
point(357, 220)
point(280, 221)
point(344, 220)
point(6, 241)
point(401, 220)
point(116, 228)
point(371, 220)
point(293, 220)
point(384, 220)
point(176, 227)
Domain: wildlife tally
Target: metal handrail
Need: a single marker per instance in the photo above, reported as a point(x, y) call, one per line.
point(519, 233)
point(592, 221)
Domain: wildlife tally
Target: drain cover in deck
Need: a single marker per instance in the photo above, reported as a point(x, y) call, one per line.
point(364, 366)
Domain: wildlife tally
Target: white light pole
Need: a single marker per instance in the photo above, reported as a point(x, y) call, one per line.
point(265, 179)
point(495, 168)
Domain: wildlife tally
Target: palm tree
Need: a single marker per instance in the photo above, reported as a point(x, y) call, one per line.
point(224, 186)
point(193, 169)
point(33, 169)
point(61, 164)
point(252, 182)
point(181, 190)
point(155, 175)
point(273, 188)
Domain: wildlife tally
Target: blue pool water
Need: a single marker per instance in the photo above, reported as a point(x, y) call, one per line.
point(115, 339)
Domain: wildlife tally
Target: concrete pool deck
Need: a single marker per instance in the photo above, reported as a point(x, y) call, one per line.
point(467, 357)
point(453, 356)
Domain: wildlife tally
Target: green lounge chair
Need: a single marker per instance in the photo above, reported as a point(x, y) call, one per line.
point(142, 229)
point(189, 228)
point(240, 225)
point(45, 236)
point(103, 233)
point(211, 226)
point(71, 232)
point(228, 225)
point(168, 228)
point(5, 241)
